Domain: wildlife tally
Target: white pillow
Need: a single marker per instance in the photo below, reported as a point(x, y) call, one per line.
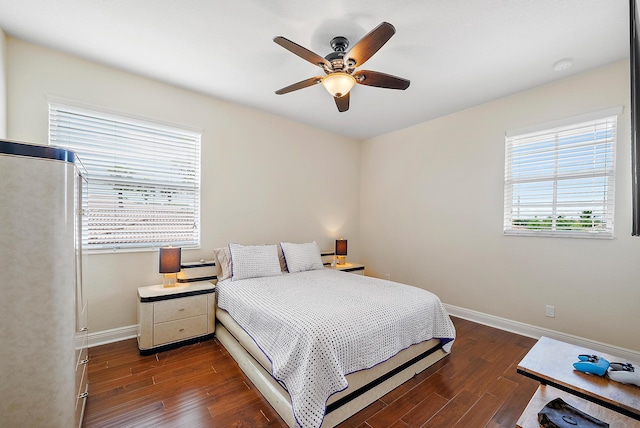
point(254, 261)
point(302, 257)
point(223, 260)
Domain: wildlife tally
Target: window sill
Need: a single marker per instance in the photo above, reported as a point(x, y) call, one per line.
point(600, 235)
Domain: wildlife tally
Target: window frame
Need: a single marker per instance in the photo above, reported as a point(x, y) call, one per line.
point(543, 133)
point(156, 201)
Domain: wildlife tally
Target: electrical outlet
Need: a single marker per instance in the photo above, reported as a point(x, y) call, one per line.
point(551, 311)
point(387, 276)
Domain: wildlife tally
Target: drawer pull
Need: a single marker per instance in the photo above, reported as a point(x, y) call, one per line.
point(83, 395)
point(85, 361)
point(181, 330)
point(181, 309)
point(83, 329)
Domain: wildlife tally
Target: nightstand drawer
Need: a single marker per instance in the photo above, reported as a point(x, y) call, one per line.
point(172, 331)
point(175, 309)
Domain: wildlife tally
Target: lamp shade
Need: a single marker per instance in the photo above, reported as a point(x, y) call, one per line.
point(341, 247)
point(338, 84)
point(170, 259)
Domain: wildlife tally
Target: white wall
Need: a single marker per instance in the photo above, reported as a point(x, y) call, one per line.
point(432, 209)
point(264, 179)
point(3, 85)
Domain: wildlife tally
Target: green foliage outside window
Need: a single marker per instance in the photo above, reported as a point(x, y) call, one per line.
point(585, 220)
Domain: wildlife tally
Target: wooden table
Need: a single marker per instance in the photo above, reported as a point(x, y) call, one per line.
point(550, 362)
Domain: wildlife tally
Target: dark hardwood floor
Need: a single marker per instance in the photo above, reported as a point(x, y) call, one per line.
point(201, 386)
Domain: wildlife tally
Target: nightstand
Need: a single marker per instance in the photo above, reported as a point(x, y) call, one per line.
point(175, 316)
point(356, 268)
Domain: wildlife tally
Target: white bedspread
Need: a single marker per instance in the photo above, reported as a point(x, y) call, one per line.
point(318, 326)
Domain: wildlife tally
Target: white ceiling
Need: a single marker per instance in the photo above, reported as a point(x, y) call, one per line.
point(457, 53)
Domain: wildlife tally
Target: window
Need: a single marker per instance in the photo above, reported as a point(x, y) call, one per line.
point(559, 178)
point(144, 178)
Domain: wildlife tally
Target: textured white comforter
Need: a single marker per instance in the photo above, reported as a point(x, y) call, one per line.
point(318, 326)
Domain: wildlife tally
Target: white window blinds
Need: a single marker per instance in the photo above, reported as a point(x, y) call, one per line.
point(144, 178)
point(560, 181)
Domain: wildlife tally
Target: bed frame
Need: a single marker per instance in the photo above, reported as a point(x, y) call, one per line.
point(365, 386)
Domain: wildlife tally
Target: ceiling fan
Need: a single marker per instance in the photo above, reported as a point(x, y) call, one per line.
point(340, 66)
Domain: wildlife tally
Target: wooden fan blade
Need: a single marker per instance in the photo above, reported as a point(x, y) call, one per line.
point(300, 85)
point(302, 52)
point(342, 102)
point(370, 44)
point(380, 80)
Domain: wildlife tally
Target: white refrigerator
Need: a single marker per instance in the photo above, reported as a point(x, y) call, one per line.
point(43, 311)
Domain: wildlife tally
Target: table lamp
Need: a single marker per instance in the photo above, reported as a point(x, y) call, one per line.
point(341, 250)
point(170, 259)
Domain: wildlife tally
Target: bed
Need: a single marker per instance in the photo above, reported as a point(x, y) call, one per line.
point(320, 344)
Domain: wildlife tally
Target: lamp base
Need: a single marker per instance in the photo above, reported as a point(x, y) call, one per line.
point(169, 280)
point(342, 260)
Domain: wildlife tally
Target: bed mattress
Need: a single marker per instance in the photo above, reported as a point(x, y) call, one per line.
point(317, 327)
point(356, 380)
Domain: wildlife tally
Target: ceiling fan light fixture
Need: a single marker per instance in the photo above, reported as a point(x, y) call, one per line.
point(340, 67)
point(338, 84)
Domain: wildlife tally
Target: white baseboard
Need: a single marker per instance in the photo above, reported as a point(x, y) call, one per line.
point(537, 332)
point(113, 335)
